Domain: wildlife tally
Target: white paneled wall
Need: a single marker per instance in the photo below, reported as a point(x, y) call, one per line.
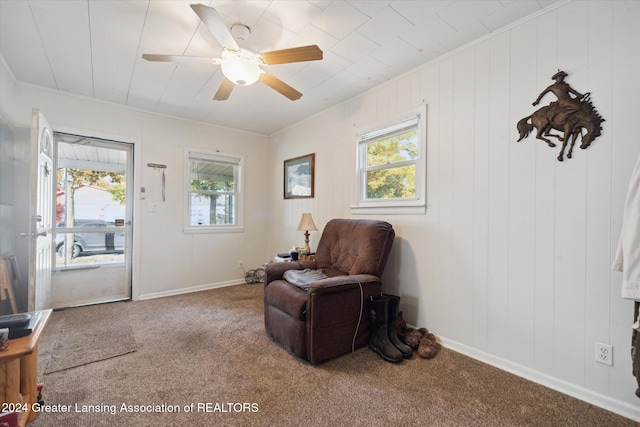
point(511, 262)
point(166, 260)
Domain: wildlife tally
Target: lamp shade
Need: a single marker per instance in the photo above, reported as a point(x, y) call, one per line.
point(306, 223)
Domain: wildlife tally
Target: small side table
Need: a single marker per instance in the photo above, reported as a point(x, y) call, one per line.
point(308, 257)
point(302, 257)
point(19, 371)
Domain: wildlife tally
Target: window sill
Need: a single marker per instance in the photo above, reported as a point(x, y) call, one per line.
point(220, 229)
point(389, 210)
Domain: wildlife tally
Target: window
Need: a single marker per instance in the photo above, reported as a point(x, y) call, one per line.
point(213, 191)
point(391, 166)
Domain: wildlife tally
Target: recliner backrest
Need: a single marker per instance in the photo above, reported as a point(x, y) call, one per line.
point(354, 246)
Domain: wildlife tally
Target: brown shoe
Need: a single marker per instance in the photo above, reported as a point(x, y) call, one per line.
point(428, 348)
point(412, 339)
point(401, 327)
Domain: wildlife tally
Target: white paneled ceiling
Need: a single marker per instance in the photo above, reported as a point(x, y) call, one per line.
point(93, 48)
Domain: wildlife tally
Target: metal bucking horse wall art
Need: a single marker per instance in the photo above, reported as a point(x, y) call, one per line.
point(569, 115)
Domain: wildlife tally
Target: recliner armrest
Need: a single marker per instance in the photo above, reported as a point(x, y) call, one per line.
point(337, 283)
point(275, 270)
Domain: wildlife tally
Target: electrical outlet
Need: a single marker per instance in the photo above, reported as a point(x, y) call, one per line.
point(604, 354)
point(240, 263)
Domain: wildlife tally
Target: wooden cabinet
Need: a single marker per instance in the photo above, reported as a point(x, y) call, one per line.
point(19, 372)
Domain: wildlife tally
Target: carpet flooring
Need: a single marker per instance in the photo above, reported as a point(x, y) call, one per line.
point(110, 336)
point(203, 359)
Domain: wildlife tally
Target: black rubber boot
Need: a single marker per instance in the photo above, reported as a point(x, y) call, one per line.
point(379, 339)
point(394, 307)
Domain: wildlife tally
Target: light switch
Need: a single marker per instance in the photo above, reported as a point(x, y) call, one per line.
point(152, 207)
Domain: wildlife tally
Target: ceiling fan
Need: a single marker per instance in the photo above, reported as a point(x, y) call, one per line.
point(241, 66)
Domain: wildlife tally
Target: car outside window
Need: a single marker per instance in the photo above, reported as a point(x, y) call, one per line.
point(213, 187)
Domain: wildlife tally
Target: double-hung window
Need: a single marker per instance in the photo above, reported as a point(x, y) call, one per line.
point(391, 166)
point(213, 191)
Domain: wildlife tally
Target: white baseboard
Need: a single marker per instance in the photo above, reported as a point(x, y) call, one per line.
point(191, 289)
point(621, 408)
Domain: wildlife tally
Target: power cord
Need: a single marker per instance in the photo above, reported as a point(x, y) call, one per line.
point(253, 276)
point(355, 334)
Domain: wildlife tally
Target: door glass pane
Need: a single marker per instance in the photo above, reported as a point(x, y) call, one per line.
point(90, 204)
point(90, 247)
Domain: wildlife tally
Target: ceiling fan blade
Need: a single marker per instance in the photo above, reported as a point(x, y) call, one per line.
point(295, 54)
point(213, 21)
point(224, 90)
point(280, 86)
point(178, 58)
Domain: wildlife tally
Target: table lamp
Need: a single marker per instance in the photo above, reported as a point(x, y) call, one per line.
point(306, 225)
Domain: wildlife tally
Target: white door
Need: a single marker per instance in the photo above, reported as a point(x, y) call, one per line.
point(40, 213)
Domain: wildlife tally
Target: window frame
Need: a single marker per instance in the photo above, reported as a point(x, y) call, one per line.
point(235, 159)
point(378, 131)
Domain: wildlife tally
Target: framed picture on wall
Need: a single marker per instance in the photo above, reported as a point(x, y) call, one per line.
point(298, 177)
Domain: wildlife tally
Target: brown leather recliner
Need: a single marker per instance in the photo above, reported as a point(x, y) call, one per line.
point(330, 317)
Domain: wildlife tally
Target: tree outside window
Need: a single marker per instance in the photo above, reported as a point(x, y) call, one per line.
point(391, 169)
point(391, 165)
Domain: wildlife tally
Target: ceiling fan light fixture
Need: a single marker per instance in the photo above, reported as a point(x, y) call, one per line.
point(241, 67)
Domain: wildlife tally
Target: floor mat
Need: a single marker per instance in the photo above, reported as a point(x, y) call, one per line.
point(88, 335)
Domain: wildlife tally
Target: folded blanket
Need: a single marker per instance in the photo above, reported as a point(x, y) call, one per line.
point(303, 278)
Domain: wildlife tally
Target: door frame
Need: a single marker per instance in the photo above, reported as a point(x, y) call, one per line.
point(132, 207)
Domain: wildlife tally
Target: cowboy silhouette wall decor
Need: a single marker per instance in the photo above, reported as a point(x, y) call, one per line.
point(569, 115)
